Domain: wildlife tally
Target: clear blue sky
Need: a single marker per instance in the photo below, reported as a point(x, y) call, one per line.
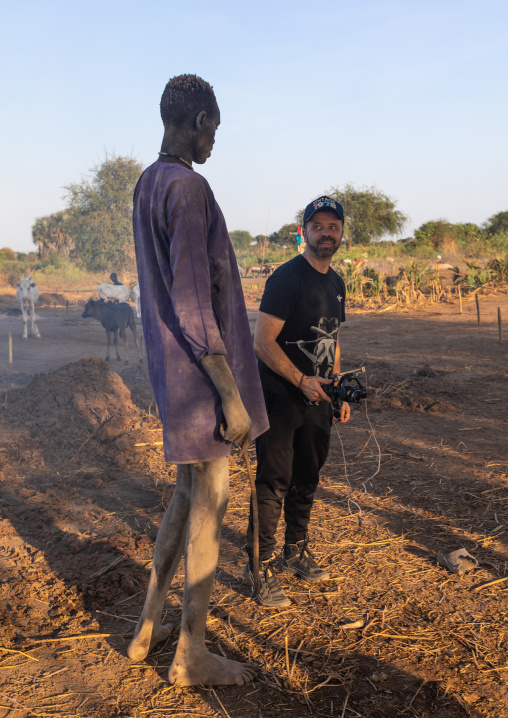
point(409, 96)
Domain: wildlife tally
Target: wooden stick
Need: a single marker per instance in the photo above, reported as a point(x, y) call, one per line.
point(355, 624)
point(287, 660)
point(103, 423)
point(460, 300)
point(345, 705)
point(19, 653)
point(84, 636)
point(255, 524)
point(499, 325)
point(66, 308)
point(220, 703)
point(477, 309)
point(294, 661)
point(105, 569)
point(419, 689)
point(10, 348)
point(491, 583)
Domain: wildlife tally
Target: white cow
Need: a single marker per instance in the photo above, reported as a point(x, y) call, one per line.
point(114, 292)
point(137, 300)
point(27, 295)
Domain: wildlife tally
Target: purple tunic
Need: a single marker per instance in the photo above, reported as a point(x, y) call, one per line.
point(191, 305)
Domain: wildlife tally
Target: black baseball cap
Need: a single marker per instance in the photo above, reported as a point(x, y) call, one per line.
point(322, 204)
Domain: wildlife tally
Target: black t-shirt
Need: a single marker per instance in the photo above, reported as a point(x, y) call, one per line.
point(312, 306)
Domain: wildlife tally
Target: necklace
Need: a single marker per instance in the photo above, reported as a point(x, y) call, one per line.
point(170, 154)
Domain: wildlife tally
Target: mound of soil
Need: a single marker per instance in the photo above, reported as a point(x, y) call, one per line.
point(82, 409)
point(51, 298)
point(428, 403)
point(426, 370)
point(69, 460)
point(8, 301)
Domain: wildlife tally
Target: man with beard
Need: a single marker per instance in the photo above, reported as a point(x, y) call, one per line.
point(297, 343)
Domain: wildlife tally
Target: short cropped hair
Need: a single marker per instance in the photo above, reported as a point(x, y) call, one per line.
point(184, 96)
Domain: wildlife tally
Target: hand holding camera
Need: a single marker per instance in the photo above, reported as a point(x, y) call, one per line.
point(346, 388)
point(314, 388)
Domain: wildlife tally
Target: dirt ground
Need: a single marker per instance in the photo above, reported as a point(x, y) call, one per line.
point(423, 469)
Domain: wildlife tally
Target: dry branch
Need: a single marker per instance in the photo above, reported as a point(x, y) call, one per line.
point(92, 436)
point(490, 583)
point(20, 653)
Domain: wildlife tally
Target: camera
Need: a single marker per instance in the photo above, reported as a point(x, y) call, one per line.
point(348, 388)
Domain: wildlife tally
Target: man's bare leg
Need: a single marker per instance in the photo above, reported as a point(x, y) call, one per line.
point(168, 551)
point(193, 663)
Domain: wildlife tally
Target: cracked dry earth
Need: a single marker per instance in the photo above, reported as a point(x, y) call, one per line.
point(84, 487)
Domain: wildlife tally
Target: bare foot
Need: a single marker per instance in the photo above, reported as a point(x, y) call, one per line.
point(146, 638)
point(202, 668)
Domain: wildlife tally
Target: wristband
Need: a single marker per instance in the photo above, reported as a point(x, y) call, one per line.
point(300, 382)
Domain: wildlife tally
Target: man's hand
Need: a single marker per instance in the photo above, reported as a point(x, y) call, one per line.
point(238, 424)
point(311, 387)
point(345, 412)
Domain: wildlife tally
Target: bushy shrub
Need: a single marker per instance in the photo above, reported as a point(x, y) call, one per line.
point(8, 255)
point(498, 266)
point(473, 277)
point(417, 275)
point(372, 284)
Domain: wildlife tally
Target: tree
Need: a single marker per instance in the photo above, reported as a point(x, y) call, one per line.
point(100, 214)
point(438, 233)
point(241, 239)
point(6, 253)
point(285, 235)
point(445, 236)
point(368, 213)
point(52, 234)
point(497, 224)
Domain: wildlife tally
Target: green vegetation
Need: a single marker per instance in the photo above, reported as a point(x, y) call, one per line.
point(95, 230)
point(93, 235)
point(497, 224)
point(100, 215)
point(53, 234)
point(53, 270)
point(467, 239)
point(368, 213)
point(286, 236)
point(241, 240)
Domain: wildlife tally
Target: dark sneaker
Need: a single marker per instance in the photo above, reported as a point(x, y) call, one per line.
point(298, 560)
point(270, 593)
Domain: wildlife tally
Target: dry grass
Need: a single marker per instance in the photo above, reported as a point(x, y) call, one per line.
point(392, 634)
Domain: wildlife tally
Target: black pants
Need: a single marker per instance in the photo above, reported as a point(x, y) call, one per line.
point(290, 455)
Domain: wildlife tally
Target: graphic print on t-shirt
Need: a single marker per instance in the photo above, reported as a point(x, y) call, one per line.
point(311, 305)
point(322, 355)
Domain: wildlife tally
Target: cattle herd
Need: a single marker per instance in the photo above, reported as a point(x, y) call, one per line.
point(111, 309)
point(120, 293)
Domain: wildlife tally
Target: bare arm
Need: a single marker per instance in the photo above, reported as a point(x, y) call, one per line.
point(238, 423)
point(345, 411)
point(268, 329)
point(336, 363)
